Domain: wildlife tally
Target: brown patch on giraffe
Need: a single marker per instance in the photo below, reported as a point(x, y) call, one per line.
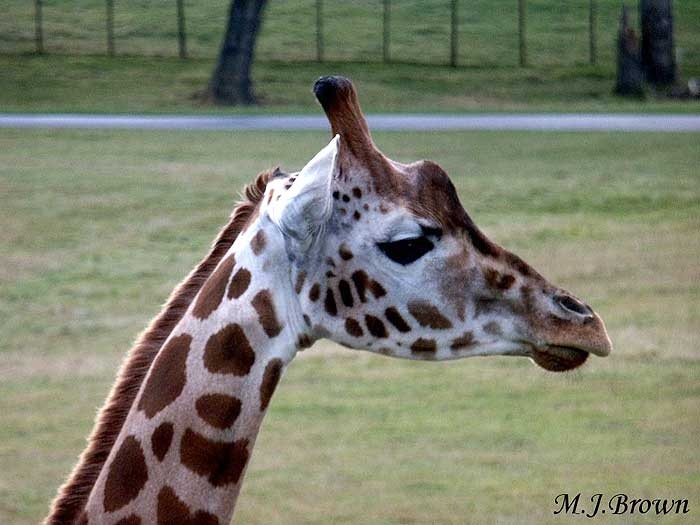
point(455, 278)
point(304, 341)
point(344, 252)
point(172, 510)
point(353, 327)
point(520, 266)
point(161, 439)
point(346, 198)
point(357, 192)
point(301, 277)
point(330, 274)
point(491, 277)
point(271, 376)
point(385, 351)
point(526, 296)
point(127, 475)
point(345, 293)
point(498, 281)
point(464, 341)
point(428, 315)
point(269, 198)
point(167, 378)
point(321, 331)
point(424, 346)
point(131, 519)
point(365, 206)
point(239, 283)
point(484, 305)
point(336, 195)
point(315, 292)
point(82, 519)
point(265, 307)
point(329, 303)
point(258, 242)
point(221, 462)
point(377, 289)
point(219, 410)
point(394, 317)
point(375, 326)
point(383, 209)
point(361, 280)
point(307, 320)
point(71, 497)
point(213, 290)
point(228, 351)
point(493, 328)
point(356, 215)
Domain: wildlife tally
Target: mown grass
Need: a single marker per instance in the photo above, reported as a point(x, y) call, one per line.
point(97, 227)
point(168, 85)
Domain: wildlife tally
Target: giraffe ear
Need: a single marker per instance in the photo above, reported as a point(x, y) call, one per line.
point(306, 206)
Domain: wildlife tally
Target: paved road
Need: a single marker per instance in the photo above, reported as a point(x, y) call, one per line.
point(404, 122)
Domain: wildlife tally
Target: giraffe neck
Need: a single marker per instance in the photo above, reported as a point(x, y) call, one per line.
point(184, 447)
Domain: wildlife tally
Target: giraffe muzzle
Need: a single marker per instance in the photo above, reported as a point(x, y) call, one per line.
point(571, 336)
point(563, 331)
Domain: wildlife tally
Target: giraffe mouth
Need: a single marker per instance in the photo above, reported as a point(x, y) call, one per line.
point(558, 358)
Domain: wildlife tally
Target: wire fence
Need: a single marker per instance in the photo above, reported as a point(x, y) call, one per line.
point(453, 32)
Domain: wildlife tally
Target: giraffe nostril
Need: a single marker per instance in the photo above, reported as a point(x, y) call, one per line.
point(573, 305)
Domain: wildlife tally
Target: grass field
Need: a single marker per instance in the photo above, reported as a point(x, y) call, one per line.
point(168, 85)
point(488, 79)
point(557, 32)
point(97, 227)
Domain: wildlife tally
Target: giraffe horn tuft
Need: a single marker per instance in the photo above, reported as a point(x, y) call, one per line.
point(338, 98)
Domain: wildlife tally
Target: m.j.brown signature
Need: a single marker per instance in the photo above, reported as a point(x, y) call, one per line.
point(597, 504)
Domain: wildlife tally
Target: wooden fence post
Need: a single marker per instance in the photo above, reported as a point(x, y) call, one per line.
point(319, 30)
point(454, 26)
point(110, 27)
point(522, 44)
point(38, 27)
point(592, 32)
point(181, 33)
point(385, 31)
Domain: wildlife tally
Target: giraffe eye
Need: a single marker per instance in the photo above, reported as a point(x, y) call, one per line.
point(406, 251)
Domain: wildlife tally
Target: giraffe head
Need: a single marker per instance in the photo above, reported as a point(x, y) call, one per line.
point(385, 258)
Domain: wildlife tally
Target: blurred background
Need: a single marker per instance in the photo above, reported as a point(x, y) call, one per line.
point(131, 55)
point(97, 227)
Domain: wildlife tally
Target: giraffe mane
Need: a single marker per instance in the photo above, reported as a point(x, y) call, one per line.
point(73, 494)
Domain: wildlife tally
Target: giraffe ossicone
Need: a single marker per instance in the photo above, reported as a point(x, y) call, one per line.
point(371, 253)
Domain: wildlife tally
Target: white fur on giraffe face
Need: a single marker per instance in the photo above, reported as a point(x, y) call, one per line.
point(440, 306)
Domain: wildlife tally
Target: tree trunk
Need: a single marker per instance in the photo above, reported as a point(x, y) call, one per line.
point(230, 83)
point(657, 42)
point(629, 65)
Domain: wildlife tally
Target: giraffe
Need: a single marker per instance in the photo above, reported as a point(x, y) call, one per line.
point(357, 248)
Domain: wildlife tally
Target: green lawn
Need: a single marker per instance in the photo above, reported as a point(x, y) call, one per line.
point(557, 32)
point(168, 85)
point(74, 77)
point(89, 219)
